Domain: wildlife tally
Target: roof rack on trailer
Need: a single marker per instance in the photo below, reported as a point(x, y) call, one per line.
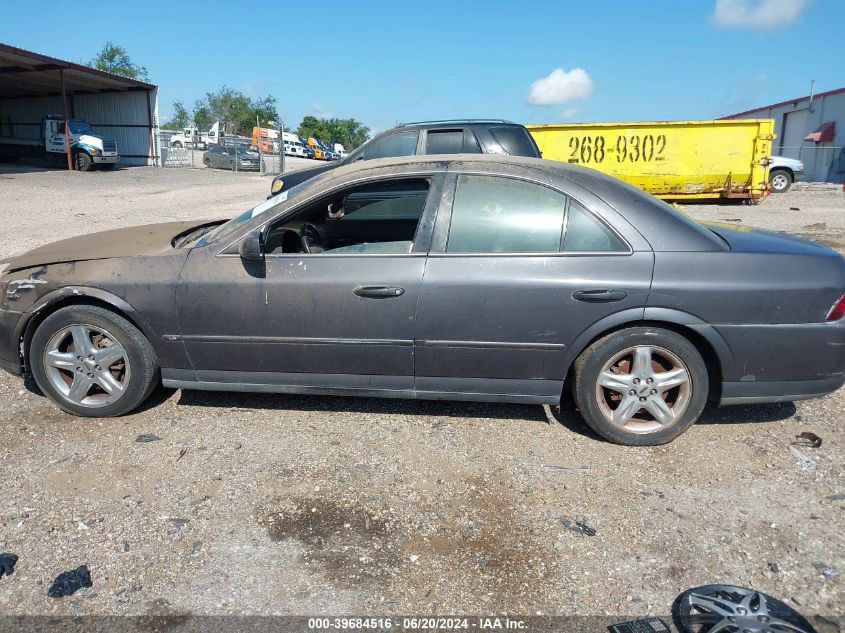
point(438, 121)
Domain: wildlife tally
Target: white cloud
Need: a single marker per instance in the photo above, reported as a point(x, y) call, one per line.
point(756, 14)
point(561, 86)
point(569, 113)
point(321, 112)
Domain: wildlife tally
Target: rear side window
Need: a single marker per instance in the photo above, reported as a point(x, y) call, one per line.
point(399, 144)
point(444, 141)
point(451, 142)
point(586, 233)
point(493, 214)
point(515, 141)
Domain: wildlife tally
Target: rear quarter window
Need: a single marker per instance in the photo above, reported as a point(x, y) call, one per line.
point(515, 141)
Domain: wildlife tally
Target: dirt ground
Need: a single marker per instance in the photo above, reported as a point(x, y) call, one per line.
point(273, 504)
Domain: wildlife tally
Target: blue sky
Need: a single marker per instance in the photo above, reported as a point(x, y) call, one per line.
point(383, 62)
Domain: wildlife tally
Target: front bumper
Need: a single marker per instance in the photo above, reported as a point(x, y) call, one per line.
point(10, 359)
point(99, 159)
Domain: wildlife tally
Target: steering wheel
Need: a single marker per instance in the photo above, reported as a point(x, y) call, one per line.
point(313, 239)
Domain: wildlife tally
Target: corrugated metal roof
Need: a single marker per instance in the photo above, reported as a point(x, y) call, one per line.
point(27, 74)
point(818, 95)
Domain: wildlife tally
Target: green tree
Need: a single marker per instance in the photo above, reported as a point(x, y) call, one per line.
point(236, 112)
point(349, 132)
point(114, 59)
point(180, 118)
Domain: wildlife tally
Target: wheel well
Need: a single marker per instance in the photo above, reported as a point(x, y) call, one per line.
point(711, 359)
point(38, 319)
point(786, 169)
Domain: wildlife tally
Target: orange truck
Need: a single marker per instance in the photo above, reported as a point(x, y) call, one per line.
point(265, 140)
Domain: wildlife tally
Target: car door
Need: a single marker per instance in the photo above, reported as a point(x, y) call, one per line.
point(341, 321)
point(518, 269)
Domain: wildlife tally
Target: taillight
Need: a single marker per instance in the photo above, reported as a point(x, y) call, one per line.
point(837, 311)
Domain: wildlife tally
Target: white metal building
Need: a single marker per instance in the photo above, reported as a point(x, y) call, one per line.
point(811, 129)
point(33, 86)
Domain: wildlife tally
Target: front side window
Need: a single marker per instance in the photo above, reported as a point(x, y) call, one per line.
point(377, 218)
point(492, 214)
point(398, 144)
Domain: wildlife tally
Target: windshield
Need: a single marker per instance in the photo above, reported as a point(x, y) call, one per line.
point(268, 205)
point(80, 127)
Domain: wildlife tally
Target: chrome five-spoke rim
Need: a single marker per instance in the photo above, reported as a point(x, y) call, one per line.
point(87, 365)
point(779, 182)
point(643, 389)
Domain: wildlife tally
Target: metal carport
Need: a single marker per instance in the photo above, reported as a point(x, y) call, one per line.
point(34, 85)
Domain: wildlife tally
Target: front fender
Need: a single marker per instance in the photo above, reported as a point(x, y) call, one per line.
point(66, 294)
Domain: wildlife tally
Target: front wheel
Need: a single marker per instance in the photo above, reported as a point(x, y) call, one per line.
point(92, 362)
point(178, 144)
point(780, 180)
point(84, 162)
point(641, 386)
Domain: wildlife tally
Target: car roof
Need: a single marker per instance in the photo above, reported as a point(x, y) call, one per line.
point(442, 122)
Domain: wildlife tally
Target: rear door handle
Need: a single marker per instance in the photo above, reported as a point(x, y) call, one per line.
point(599, 295)
point(379, 292)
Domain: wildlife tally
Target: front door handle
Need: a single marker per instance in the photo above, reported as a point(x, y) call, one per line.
point(599, 295)
point(379, 292)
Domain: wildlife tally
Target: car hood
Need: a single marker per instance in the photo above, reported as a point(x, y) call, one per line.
point(293, 178)
point(136, 240)
point(746, 239)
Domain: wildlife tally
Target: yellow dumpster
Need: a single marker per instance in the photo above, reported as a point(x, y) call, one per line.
point(679, 160)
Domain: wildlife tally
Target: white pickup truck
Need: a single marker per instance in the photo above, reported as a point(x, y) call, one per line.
point(87, 149)
point(192, 137)
point(783, 172)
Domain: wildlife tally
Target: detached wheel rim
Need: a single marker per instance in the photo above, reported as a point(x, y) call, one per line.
point(779, 182)
point(87, 365)
point(643, 389)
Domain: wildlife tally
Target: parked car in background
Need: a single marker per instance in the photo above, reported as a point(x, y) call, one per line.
point(477, 278)
point(234, 157)
point(466, 136)
point(783, 172)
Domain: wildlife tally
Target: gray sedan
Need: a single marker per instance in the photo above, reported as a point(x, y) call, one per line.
point(446, 277)
point(234, 158)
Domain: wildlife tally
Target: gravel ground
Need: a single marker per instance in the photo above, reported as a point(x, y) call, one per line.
point(307, 505)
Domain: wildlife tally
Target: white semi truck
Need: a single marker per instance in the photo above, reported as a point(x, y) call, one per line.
point(87, 149)
point(192, 137)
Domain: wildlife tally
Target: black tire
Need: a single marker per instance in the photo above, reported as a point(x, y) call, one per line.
point(142, 359)
point(178, 144)
point(589, 365)
point(84, 161)
point(780, 180)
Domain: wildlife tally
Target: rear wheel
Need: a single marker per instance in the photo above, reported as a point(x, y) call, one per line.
point(92, 362)
point(84, 162)
point(178, 144)
point(780, 180)
point(640, 386)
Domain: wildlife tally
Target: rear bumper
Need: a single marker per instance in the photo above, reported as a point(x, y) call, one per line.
point(778, 363)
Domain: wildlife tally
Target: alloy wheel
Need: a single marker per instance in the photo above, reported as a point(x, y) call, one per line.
point(779, 182)
point(643, 389)
point(729, 609)
point(87, 365)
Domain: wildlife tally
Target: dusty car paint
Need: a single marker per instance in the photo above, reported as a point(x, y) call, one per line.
point(482, 327)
